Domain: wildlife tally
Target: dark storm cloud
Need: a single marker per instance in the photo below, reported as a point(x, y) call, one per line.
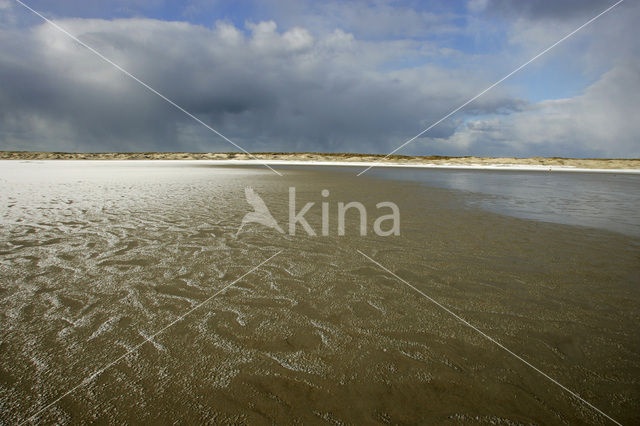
point(268, 90)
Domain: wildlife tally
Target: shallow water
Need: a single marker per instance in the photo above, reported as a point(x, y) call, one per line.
point(602, 200)
point(96, 256)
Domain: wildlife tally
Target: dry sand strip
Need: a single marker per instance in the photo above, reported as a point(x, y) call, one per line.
point(338, 159)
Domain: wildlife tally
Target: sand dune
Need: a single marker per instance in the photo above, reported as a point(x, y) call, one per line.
point(582, 163)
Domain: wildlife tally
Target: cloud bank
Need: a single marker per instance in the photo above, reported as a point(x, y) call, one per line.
point(331, 86)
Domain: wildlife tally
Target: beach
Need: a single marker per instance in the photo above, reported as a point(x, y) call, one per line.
point(364, 160)
point(343, 212)
point(101, 260)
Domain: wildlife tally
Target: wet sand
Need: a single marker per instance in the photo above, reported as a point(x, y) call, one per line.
point(94, 258)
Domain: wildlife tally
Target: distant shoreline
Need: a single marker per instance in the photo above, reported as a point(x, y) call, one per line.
point(503, 163)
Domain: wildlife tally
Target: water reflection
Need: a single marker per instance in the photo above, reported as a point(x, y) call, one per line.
point(606, 201)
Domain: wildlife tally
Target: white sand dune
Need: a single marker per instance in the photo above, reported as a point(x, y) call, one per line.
point(354, 160)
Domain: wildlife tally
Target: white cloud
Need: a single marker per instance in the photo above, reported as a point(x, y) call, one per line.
point(599, 123)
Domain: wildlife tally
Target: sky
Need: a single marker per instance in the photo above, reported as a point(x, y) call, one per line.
point(329, 76)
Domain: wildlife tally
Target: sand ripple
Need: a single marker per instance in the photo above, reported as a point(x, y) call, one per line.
point(95, 260)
